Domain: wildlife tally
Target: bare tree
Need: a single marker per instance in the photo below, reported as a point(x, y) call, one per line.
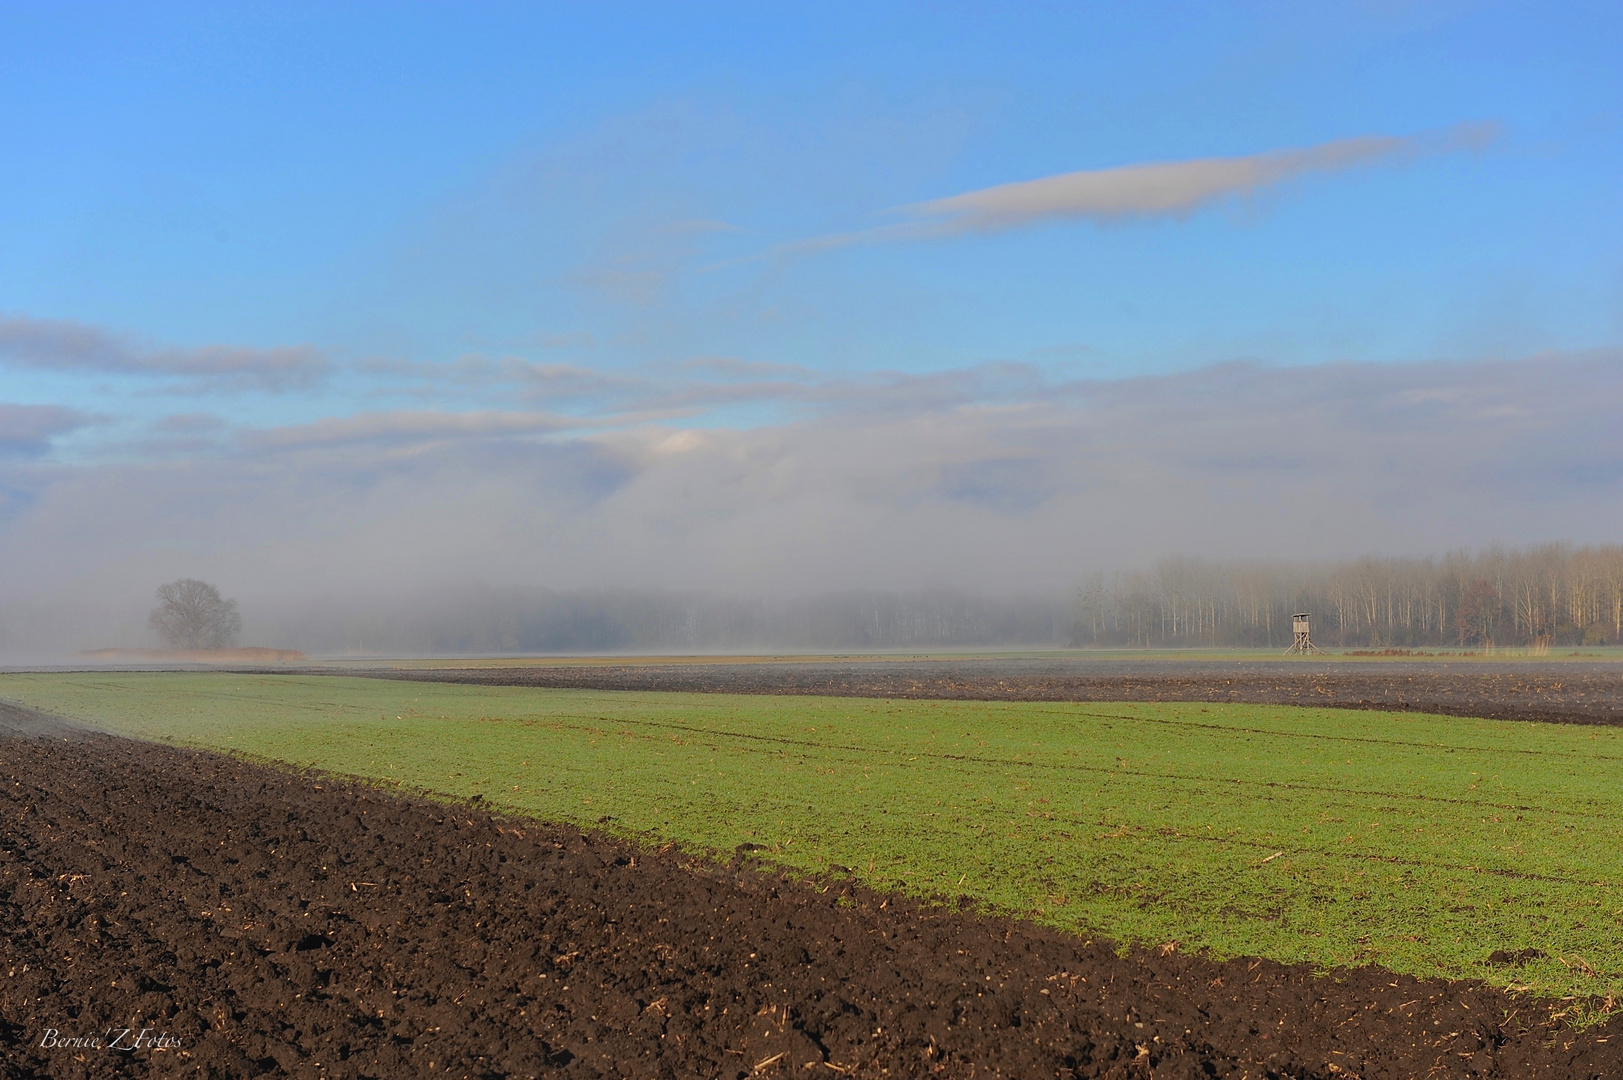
point(192, 615)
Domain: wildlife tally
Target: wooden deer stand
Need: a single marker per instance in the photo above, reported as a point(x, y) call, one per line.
point(1304, 636)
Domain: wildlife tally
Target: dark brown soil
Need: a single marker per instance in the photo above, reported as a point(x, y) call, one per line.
point(1571, 693)
point(266, 923)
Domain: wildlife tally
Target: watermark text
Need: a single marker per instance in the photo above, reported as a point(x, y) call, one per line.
point(114, 1038)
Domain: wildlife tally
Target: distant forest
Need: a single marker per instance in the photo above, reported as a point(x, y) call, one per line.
point(1549, 595)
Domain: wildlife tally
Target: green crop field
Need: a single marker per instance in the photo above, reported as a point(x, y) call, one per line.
point(1418, 842)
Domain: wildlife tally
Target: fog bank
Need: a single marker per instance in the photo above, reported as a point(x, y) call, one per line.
point(926, 494)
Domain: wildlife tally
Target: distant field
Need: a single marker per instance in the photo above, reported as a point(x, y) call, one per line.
point(1333, 837)
point(1362, 655)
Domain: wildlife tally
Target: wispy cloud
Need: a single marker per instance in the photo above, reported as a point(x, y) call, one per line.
point(1177, 188)
point(1163, 189)
point(697, 388)
point(189, 424)
point(66, 345)
point(27, 430)
point(403, 427)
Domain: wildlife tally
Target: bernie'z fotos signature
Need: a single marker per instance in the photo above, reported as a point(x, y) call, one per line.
point(114, 1038)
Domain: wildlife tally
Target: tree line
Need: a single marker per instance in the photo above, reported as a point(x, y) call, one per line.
point(1541, 596)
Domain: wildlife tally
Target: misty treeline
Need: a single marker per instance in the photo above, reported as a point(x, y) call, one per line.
point(1551, 594)
point(539, 620)
point(1554, 595)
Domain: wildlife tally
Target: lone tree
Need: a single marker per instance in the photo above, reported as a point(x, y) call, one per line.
point(191, 615)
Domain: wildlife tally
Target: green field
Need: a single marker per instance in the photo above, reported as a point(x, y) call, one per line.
point(1421, 843)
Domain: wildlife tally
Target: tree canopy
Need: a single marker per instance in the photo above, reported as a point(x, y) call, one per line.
point(191, 614)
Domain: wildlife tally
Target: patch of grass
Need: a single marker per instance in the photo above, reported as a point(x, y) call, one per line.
point(1329, 837)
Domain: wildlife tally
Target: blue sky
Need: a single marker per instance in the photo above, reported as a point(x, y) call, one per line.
point(423, 182)
point(228, 227)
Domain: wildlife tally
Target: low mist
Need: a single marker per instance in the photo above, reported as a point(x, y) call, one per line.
point(1551, 595)
point(913, 515)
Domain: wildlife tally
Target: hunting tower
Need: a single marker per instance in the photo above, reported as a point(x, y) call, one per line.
point(1303, 642)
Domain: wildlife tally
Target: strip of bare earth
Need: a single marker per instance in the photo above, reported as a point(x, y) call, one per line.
point(270, 922)
point(1575, 693)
